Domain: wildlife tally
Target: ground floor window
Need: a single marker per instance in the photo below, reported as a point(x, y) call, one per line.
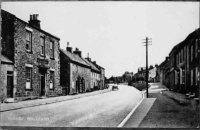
point(28, 77)
point(183, 73)
point(51, 80)
point(191, 73)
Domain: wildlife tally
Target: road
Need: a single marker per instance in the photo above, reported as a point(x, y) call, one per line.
point(103, 110)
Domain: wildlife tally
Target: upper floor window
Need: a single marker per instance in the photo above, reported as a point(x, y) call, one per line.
point(191, 52)
point(182, 55)
point(52, 49)
point(187, 57)
point(196, 48)
point(28, 41)
point(42, 44)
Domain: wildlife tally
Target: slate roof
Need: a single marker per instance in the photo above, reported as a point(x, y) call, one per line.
point(74, 57)
point(31, 25)
point(91, 64)
point(5, 59)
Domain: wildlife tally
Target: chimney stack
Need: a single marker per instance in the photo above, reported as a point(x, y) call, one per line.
point(88, 58)
point(69, 49)
point(77, 52)
point(34, 21)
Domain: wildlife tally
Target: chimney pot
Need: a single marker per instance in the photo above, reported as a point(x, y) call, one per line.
point(31, 17)
point(34, 21)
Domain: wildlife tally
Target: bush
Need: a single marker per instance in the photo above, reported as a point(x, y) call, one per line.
point(140, 86)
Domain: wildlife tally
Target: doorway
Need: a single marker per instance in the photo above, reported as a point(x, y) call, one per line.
point(42, 81)
point(9, 84)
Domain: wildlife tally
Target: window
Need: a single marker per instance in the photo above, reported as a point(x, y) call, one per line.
point(182, 55)
point(187, 57)
point(183, 75)
point(196, 48)
point(28, 41)
point(28, 77)
point(51, 80)
point(191, 52)
point(42, 43)
point(191, 77)
point(52, 49)
point(196, 76)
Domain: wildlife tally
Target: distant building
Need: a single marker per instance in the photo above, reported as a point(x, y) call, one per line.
point(141, 74)
point(111, 80)
point(127, 76)
point(95, 75)
point(102, 75)
point(30, 59)
point(153, 74)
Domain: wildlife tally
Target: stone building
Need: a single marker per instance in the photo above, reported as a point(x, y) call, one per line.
point(35, 57)
point(74, 72)
point(95, 75)
point(181, 70)
point(102, 75)
point(141, 74)
point(6, 78)
point(153, 73)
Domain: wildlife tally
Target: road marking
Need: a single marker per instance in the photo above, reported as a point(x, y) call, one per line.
point(131, 113)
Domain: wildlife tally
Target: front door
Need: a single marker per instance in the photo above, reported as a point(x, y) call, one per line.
point(9, 84)
point(42, 82)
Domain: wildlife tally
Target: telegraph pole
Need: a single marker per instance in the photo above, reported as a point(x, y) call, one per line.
point(147, 40)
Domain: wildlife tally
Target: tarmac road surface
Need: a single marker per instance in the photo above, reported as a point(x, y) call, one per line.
point(102, 110)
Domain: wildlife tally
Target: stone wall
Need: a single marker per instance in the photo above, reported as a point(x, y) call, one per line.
point(22, 57)
point(7, 34)
point(3, 90)
point(14, 47)
point(79, 72)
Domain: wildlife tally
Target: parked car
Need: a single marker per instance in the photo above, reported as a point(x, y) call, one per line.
point(115, 87)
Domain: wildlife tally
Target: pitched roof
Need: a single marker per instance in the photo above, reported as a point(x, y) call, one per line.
point(31, 25)
point(91, 64)
point(74, 57)
point(5, 59)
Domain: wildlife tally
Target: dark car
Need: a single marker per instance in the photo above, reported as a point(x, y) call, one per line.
point(115, 87)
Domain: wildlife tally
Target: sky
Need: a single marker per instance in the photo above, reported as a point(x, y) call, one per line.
point(113, 32)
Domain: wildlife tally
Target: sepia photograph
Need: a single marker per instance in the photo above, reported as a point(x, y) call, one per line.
point(100, 64)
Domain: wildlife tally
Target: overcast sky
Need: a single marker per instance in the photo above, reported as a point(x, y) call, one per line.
point(112, 32)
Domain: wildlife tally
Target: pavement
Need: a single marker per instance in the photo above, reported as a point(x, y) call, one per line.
point(37, 102)
point(165, 109)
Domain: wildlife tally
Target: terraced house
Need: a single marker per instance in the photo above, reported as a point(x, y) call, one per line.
point(182, 73)
point(94, 75)
point(102, 75)
point(31, 59)
point(74, 72)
